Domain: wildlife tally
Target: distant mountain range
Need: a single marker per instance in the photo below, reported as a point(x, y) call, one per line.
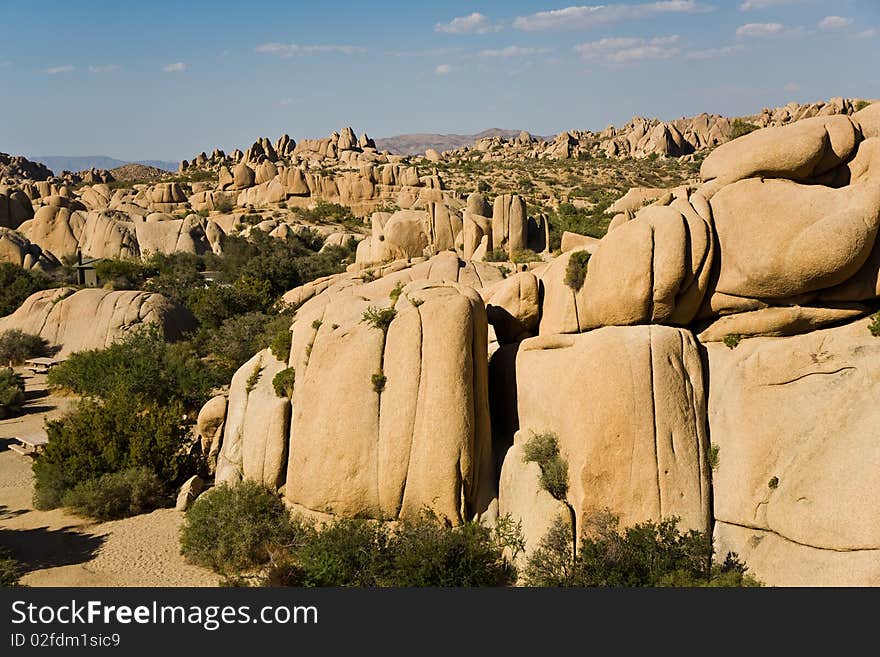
point(416, 144)
point(59, 163)
point(412, 144)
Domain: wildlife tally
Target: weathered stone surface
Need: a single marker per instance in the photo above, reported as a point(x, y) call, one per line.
point(95, 318)
point(799, 151)
point(255, 437)
point(653, 269)
point(510, 230)
point(209, 429)
point(572, 241)
point(779, 238)
point(421, 440)
point(628, 406)
point(513, 308)
point(188, 493)
point(563, 308)
point(779, 321)
point(796, 424)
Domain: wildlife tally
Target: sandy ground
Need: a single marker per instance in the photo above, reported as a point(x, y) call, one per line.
point(60, 549)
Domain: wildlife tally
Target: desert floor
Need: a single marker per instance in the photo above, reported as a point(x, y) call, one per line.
point(57, 548)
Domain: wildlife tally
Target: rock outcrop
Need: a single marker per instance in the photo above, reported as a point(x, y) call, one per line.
point(93, 318)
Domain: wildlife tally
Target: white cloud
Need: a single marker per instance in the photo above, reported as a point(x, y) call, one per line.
point(176, 67)
point(757, 30)
point(429, 52)
point(715, 53)
point(475, 23)
point(103, 68)
point(513, 51)
point(443, 69)
point(868, 34)
point(749, 5)
point(625, 50)
point(294, 49)
point(835, 22)
point(55, 70)
point(578, 17)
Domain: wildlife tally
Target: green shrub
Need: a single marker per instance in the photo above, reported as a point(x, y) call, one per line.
point(742, 128)
point(142, 365)
point(10, 570)
point(576, 271)
point(647, 554)
point(543, 449)
point(11, 392)
point(234, 528)
point(283, 382)
point(424, 551)
point(860, 105)
point(497, 255)
point(714, 456)
point(280, 343)
point(731, 340)
point(874, 326)
point(17, 346)
point(773, 484)
point(379, 318)
point(379, 380)
point(116, 495)
point(254, 378)
point(17, 284)
point(523, 256)
point(123, 274)
point(99, 437)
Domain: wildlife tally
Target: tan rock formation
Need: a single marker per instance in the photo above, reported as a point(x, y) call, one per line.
point(628, 407)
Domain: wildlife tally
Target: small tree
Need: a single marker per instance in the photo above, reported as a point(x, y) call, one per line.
point(11, 392)
point(543, 449)
point(283, 382)
point(576, 270)
point(17, 346)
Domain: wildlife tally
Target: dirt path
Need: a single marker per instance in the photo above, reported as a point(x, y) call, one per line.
point(60, 549)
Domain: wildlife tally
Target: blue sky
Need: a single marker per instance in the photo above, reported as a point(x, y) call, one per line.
point(165, 80)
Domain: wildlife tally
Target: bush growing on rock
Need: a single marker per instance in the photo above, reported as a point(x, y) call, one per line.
point(543, 449)
point(122, 274)
point(283, 382)
point(116, 495)
point(742, 128)
point(646, 554)
point(16, 347)
point(11, 392)
point(105, 436)
point(576, 271)
point(234, 528)
point(874, 326)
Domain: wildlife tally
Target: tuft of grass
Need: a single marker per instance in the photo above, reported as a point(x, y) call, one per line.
point(394, 295)
point(379, 380)
point(379, 318)
point(576, 271)
point(773, 484)
point(731, 340)
point(253, 379)
point(543, 449)
point(714, 456)
point(874, 326)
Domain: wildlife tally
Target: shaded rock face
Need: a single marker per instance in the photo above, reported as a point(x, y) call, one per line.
point(94, 318)
point(257, 421)
point(797, 482)
point(628, 407)
point(418, 438)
